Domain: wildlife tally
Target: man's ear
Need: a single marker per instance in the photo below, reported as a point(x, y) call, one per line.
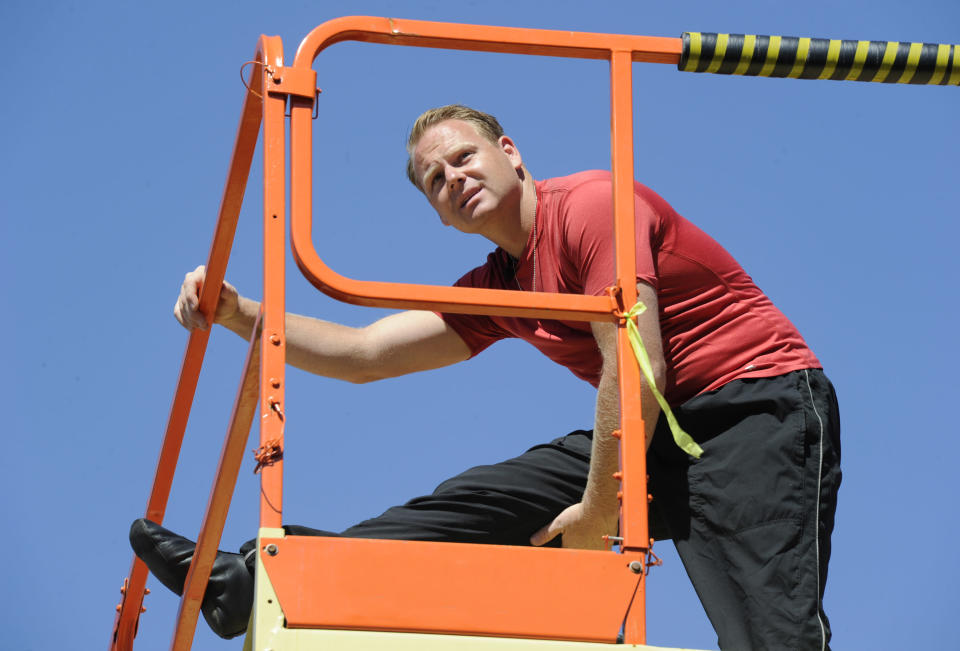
point(510, 149)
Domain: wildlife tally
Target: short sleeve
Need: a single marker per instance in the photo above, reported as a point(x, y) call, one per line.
point(478, 331)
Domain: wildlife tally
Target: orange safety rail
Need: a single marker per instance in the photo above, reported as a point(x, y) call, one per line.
point(621, 51)
point(616, 592)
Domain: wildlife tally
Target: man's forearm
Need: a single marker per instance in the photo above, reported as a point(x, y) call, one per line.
point(584, 524)
point(401, 343)
point(316, 346)
point(600, 494)
point(601, 486)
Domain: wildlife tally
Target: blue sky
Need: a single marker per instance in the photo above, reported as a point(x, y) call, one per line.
point(840, 199)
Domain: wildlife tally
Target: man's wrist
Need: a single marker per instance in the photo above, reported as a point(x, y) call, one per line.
point(242, 318)
point(605, 508)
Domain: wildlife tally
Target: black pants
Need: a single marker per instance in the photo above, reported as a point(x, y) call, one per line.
point(751, 519)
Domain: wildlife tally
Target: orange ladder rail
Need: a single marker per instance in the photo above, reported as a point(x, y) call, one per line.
point(133, 590)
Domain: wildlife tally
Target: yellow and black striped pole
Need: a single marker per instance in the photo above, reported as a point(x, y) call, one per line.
point(820, 58)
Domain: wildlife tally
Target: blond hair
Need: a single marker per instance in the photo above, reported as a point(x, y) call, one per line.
point(485, 124)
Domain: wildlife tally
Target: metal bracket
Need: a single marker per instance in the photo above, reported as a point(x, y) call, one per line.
point(291, 80)
point(294, 82)
point(615, 292)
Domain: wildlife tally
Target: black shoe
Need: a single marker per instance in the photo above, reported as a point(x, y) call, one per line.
point(229, 597)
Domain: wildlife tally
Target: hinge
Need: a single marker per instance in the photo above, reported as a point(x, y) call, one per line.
point(294, 82)
point(290, 80)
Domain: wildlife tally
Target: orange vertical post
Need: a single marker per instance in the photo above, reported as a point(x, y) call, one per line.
point(272, 376)
point(633, 505)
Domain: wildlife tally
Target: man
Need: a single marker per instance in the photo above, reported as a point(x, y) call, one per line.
point(751, 518)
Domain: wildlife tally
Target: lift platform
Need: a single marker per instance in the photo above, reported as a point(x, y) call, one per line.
point(338, 594)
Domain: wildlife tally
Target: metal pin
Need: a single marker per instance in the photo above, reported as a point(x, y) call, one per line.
point(275, 406)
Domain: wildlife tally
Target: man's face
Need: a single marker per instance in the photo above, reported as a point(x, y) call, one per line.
point(471, 182)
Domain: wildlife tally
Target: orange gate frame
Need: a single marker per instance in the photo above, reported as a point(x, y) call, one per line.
point(591, 593)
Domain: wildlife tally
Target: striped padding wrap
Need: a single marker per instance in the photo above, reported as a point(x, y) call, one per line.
point(889, 62)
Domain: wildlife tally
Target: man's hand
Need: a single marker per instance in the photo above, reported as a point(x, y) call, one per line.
point(580, 529)
point(186, 308)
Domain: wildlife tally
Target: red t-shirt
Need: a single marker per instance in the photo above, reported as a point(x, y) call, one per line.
point(716, 324)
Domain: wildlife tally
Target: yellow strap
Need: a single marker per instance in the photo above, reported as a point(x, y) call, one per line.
point(681, 438)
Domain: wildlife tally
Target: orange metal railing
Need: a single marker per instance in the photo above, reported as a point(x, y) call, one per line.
point(270, 86)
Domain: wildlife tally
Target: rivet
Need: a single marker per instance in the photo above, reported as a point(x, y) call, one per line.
point(636, 567)
point(275, 340)
point(271, 549)
point(275, 383)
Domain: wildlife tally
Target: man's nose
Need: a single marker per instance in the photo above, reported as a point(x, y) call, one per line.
point(454, 177)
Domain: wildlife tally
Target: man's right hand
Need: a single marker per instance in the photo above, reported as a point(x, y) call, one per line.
point(186, 310)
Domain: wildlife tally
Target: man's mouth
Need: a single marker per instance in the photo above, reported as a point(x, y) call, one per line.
point(467, 197)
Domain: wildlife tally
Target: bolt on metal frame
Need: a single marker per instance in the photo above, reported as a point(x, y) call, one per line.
point(591, 594)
